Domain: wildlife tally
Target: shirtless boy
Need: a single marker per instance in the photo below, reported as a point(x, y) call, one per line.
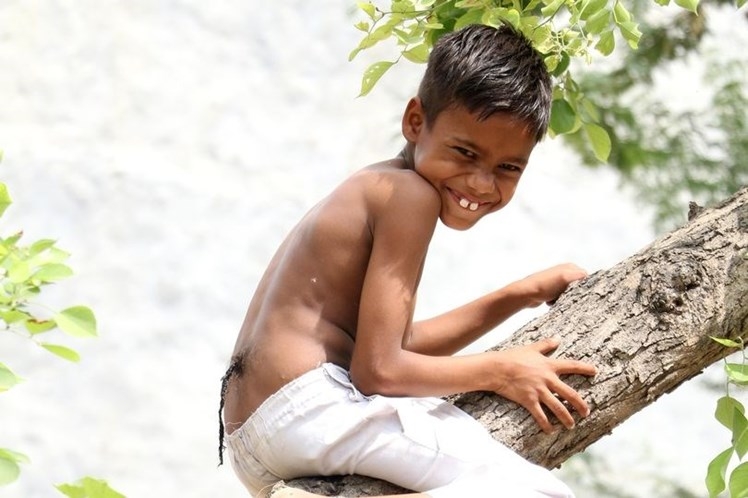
point(331, 375)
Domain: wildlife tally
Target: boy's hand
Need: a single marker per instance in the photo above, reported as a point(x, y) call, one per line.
point(545, 286)
point(532, 380)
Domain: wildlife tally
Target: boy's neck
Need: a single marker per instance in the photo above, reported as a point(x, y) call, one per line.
point(407, 156)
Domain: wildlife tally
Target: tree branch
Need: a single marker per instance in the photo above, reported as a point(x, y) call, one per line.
point(645, 323)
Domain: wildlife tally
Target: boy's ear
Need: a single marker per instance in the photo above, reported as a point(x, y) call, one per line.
point(414, 119)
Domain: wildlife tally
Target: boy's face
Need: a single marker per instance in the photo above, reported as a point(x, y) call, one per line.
point(474, 165)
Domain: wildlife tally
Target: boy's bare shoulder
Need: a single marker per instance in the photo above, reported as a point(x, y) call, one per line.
point(390, 184)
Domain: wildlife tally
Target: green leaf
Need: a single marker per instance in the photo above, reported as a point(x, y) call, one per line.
point(433, 25)
point(11, 241)
point(35, 326)
point(369, 9)
point(691, 5)
point(40, 246)
point(13, 455)
point(88, 487)
point(418, 54)
point(381, 33)
point(71, 491)
point(620, 13)
point(739, 481)
point(737, 373)
point(472, 16)
point(62, 351)
point(740, 434)
point(77, 321)
point(9, 469)
point(7, 378)
point(551, 63)
point(542, 37)
point(599, 140)
point(551, 8)
point(726, 342)
point(715, 474)
point(19, 271)
point(372, 75)
point(47, 256)
point(590, 7)
point(511, 17)
point(590, 110)
point(14, 316)
point(413, 36)
point(463, 4)
point(598, 22)
point(5, 199)
point(630, 32)
point(726, 408)
point(52, 272)
point(562, 65)
point(740, 3)
point(402, 6)
point(563, 117)
point(607, 42)
point(366, 42)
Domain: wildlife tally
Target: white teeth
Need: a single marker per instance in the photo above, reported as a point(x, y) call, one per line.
point(466, 204)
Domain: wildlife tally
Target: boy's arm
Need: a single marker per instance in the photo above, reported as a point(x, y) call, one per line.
point(403, 220)
point(448, 333)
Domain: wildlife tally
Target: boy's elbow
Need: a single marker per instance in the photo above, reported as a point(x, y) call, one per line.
point(370, 380)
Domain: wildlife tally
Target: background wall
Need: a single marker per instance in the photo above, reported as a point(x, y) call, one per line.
point(169, 146)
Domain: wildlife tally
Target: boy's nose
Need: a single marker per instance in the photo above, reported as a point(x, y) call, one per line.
point(481, 182)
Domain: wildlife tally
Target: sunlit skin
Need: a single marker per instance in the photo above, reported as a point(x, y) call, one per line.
point(342, 286)
point(479, 162)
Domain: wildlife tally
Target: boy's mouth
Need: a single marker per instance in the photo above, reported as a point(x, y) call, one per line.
point(466, 204)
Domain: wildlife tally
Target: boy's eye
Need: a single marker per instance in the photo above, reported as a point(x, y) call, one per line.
point(510, 167)
point(465, 152)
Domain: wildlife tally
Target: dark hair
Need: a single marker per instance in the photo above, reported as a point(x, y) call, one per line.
point(487, 70)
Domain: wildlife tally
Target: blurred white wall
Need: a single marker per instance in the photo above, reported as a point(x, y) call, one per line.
point(169, 145)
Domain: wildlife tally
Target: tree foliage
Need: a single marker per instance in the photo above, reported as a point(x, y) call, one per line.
point(24, 271)
point(673, 156)
point(608, 114)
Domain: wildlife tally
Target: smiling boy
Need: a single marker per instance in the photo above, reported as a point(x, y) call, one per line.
point(331, 375)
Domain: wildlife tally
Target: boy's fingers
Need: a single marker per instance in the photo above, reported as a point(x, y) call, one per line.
point(559, 410)
point(540, 417)
point(572, 397)
point(547, 345)
point(575, 367)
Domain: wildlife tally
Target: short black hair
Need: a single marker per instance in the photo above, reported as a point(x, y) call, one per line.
point(488, 70)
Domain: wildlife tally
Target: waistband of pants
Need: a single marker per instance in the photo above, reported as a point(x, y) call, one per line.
point(318, 387)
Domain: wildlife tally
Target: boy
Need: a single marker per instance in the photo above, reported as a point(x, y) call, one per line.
point(330, 375)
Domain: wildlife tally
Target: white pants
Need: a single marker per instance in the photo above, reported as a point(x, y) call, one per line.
point(319, 424)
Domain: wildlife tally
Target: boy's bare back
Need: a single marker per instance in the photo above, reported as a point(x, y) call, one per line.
point(306, 307)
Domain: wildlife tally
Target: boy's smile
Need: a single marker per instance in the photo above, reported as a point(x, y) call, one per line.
point(474, 165)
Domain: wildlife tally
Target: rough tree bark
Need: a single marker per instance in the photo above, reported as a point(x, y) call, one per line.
point(645, 323)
